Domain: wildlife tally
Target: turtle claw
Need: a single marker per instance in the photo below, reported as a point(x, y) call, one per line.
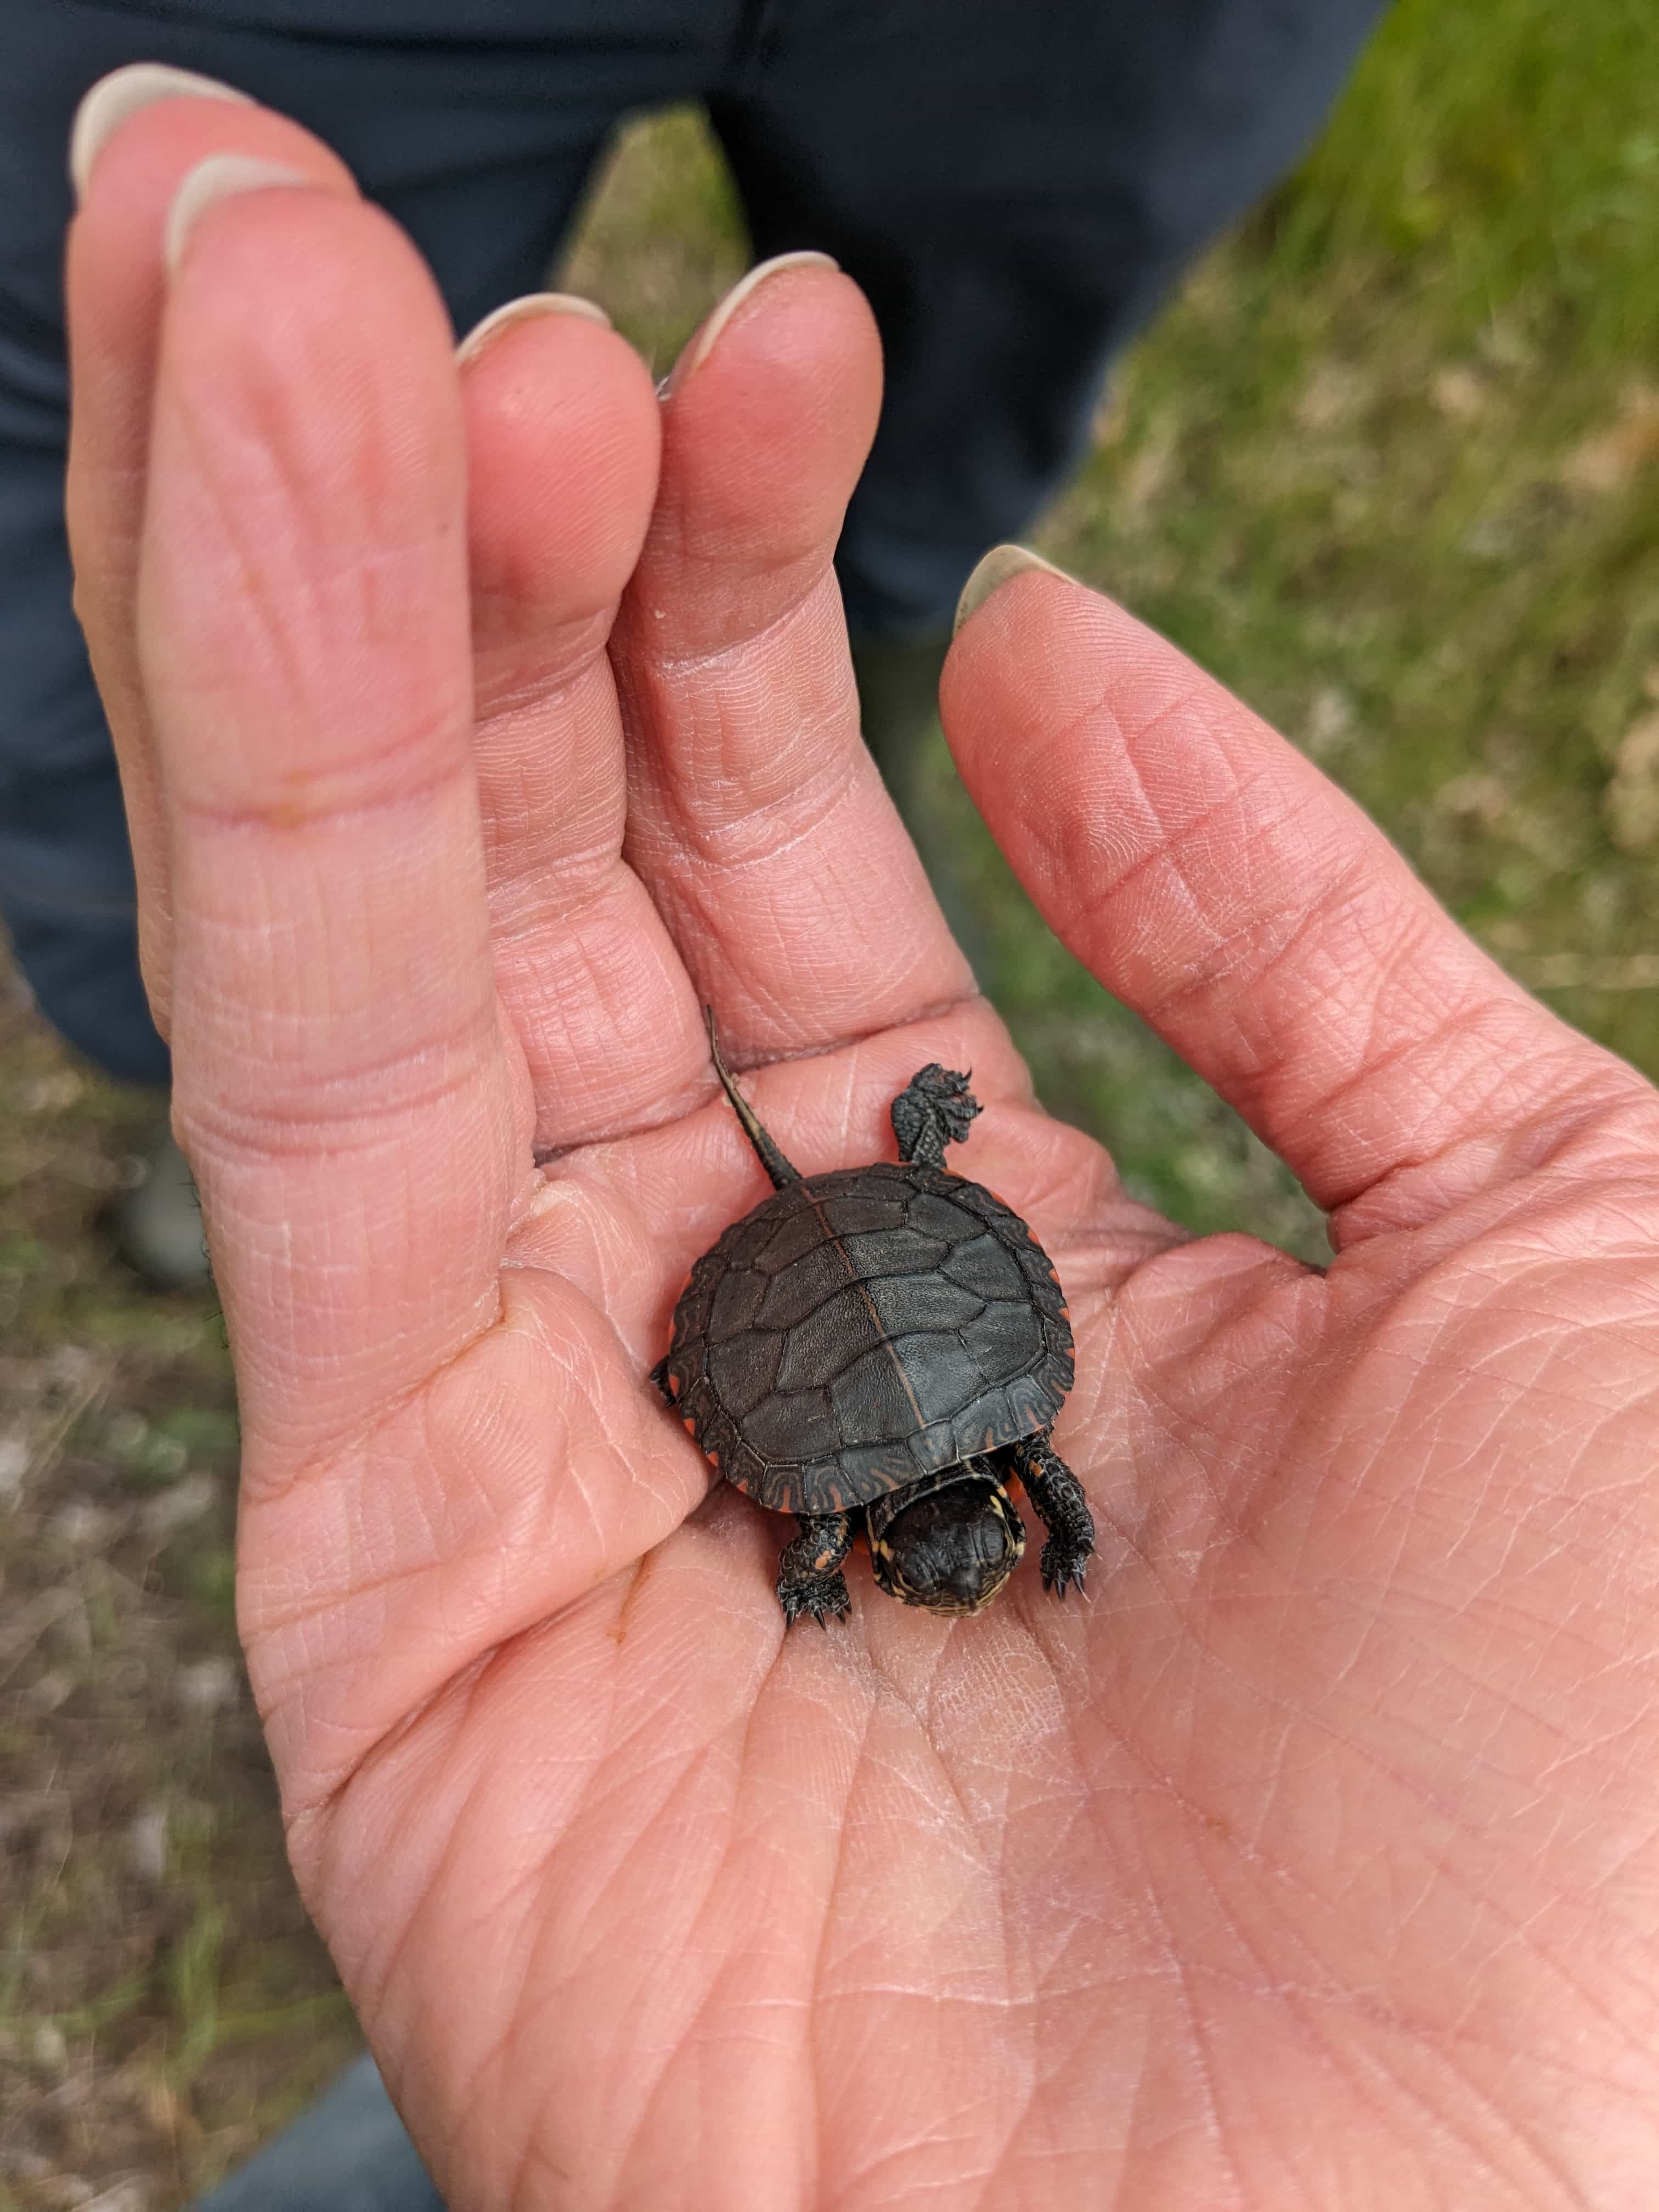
point(824, 1599)
point(1065, 1563)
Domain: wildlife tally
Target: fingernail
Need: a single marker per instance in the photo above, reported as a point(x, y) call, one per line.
point(115, 98)
point(523, 310)
point(998, 565)
point(220, 177)
point(703, 344)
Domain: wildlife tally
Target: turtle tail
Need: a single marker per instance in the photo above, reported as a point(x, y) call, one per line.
point(770, 1158)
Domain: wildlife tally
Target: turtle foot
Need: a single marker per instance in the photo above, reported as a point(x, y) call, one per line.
point(824, 1598)
point(934, 1109)
point(1058, 1496)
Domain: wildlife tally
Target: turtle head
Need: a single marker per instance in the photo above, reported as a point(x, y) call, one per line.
point(948, 1545)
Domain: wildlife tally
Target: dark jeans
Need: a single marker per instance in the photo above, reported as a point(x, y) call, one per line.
point(1014, 183)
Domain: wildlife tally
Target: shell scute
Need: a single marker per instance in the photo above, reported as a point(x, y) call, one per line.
point(815, 1281)
point(915, 1302)
point(798, 1233)
point(1005, 1340)
point(745, 1370)
point(935, 1214)
point(872, 1404)
point(736, 1303)
point(792, 1425)
point(984, 1264)
point(831, 1339)
point(903, 1251)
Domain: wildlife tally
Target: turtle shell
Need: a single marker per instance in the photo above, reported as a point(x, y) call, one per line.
point(862, 1329)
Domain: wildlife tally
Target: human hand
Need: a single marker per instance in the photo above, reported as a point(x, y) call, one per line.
point(1311, 1857)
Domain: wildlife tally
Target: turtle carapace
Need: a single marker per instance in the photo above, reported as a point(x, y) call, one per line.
point(881, 1348)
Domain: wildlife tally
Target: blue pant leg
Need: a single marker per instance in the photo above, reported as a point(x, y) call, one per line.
point(66, 889)
point(1016, 185)
point(348, 2152)
point(479, 145)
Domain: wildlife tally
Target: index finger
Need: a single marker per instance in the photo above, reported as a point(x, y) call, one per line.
point(1213, 879)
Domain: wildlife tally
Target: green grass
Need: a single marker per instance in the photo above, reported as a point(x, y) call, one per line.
point(1496, 158)
point(1388, 467)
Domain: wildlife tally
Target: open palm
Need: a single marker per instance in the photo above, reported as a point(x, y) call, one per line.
point(1310, 1859)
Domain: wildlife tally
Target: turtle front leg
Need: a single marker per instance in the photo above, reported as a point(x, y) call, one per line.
point(933, 1111)
point(810, 1579)
point(1058, 1496)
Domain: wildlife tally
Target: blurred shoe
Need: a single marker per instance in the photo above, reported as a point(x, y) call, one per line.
point(158, 1223)
point(898, 705)
point(348, 2152)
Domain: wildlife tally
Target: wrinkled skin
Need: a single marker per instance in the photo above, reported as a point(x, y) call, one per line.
point(1310, 1859)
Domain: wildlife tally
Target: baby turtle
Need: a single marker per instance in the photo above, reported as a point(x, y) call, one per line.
point(883, 1346)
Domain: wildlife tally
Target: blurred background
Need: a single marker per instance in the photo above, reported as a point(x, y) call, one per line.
point(1389, 466)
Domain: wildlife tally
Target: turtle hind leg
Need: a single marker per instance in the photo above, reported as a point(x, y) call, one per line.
point(933, 1111)
point(810, 1579)
point(1057, 1494)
